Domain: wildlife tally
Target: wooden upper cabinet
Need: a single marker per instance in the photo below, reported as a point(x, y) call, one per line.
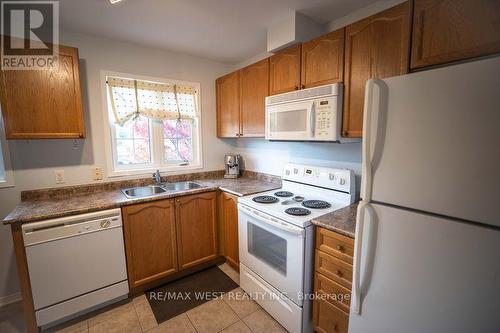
point(284, 70)
point(44, 104)
point(377, 46)
point(150, 241)
point(229, 217)
point(196, 229)
point(254, 87)
point(323, 60)
point(449, 30)
point(228, 105)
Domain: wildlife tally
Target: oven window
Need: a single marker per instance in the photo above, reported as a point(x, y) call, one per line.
point(268, 247)
point(289, 121)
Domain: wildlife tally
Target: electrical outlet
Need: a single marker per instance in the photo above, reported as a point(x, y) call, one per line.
point(97, 173)
point(60, 176)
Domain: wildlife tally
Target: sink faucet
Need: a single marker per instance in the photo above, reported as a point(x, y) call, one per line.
point(157, 177)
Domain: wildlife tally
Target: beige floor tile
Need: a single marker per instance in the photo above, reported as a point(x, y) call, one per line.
point(12, 318)
point(261, 321)
point(121, 321)
point(178, 324)
point(231, 272)
point(212, 316)
point(238, 327)
point(110, 312)
point(240, 302)
point(73, 326)
point(144, 313)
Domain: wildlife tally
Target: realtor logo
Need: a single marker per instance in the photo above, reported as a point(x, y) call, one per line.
point(30, 35)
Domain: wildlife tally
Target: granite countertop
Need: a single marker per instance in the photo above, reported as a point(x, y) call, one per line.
point(342, 221)
point(72, 202)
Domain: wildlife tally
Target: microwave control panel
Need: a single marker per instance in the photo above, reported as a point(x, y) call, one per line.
point(326, 118)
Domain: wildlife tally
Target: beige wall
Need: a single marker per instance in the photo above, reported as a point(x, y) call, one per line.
point(34, 161)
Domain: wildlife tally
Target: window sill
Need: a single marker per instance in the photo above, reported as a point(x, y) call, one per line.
point(149, 171)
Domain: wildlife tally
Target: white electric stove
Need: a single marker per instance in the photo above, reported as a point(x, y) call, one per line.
point(276, 239)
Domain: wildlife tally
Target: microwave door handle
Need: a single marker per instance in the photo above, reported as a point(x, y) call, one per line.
point(312, 120)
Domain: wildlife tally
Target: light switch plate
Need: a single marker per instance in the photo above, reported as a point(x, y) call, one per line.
point(97, 173)
point(60, 176)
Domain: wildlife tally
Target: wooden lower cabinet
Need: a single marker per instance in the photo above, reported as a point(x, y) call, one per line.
point(229, 218)
point(327, 318)
point(332, 281)
point(196, 222)
point(150, 241)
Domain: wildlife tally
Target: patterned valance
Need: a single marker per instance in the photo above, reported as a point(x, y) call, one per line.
point(133, 98)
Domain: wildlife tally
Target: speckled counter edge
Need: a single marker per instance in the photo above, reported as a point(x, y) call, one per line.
point(342, 221)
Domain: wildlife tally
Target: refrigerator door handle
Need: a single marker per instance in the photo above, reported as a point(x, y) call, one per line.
point(369, 133)
point(363, 207)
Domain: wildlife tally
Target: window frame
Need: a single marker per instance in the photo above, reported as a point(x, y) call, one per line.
point(8, 180)
point(157, 151)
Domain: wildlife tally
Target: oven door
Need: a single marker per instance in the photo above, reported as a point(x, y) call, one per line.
point(274, 250)
point(290, 121)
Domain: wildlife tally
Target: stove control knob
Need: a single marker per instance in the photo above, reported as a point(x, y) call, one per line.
point(287, 172)
point(295, 171)
point(331, 176)
point(342, 181)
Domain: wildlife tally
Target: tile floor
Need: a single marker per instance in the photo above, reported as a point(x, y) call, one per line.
point(227, 314)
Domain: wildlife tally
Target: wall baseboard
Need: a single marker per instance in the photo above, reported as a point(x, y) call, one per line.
point(9, 299)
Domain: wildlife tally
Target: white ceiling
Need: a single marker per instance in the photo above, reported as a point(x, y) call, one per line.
point(223, 30)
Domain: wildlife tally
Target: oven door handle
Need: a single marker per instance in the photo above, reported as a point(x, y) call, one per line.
point(266, 219)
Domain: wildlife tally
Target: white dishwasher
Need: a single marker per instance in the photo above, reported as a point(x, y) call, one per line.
point(75, 263)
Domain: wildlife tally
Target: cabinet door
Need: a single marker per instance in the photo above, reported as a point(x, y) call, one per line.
point(323, 60)
point(449, 30)
point(228, 105)
point(229, 215)
point(284, 71)
point(196, 229)
point(44, 104)
point(254, 87)
point(150, 241)
point(327, 318)
point(377, 46)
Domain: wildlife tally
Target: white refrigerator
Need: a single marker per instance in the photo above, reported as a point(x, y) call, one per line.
point(427, 248)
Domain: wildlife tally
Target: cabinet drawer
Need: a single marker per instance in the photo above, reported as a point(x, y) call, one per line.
point(327, 318)
point(336, 294)
point(333, 268)
point(335, 244)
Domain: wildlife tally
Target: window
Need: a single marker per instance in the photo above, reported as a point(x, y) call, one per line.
point(153, 124)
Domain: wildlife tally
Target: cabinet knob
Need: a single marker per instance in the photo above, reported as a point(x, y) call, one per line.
point(237, 134)
point(296, 87)
point(302, 86)
point(338, 273)
point(340, 248)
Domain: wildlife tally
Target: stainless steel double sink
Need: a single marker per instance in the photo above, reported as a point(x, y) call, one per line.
point(151, 190)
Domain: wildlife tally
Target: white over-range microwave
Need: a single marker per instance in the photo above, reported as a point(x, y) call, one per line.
point(313, 114)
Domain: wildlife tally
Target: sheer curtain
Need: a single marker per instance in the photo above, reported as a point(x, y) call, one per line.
point(133, 98)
